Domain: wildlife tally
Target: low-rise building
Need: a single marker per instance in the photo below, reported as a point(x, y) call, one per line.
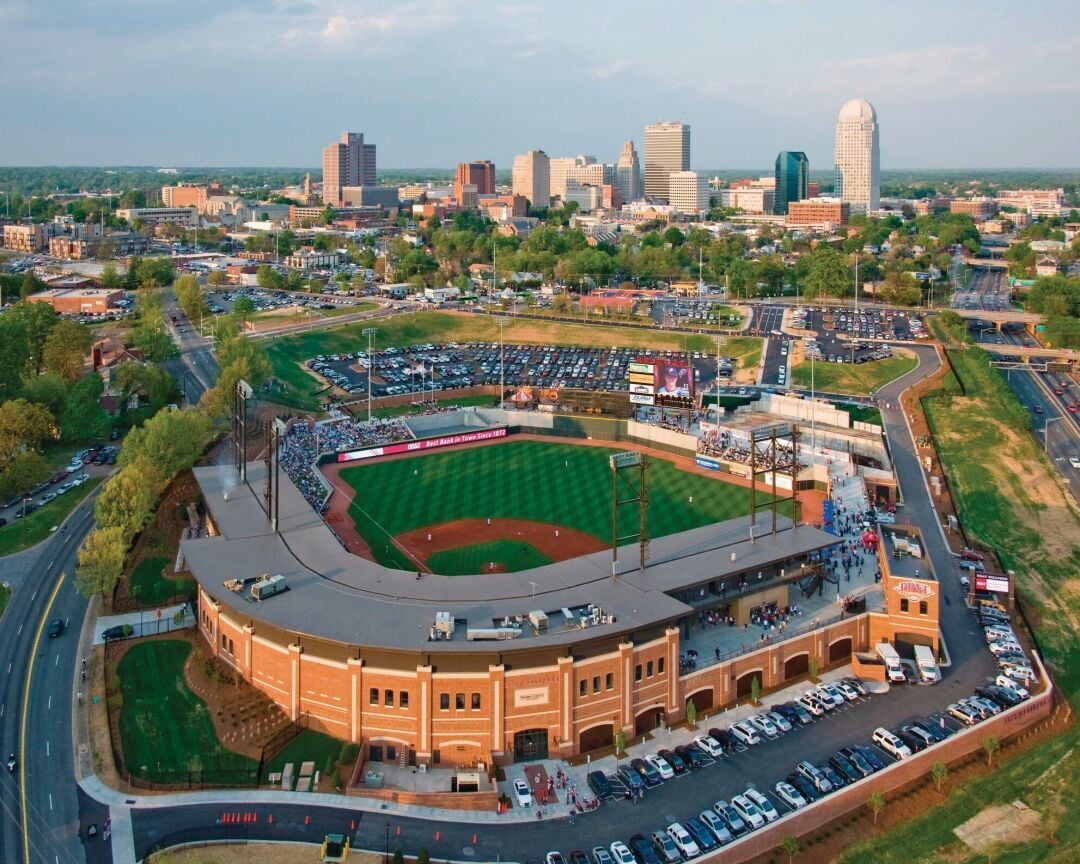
point(188, 216)
point(117, 243)
point(978, 208)
point(311, 259)
point(26, 237)
point(749, 199)
point(79, 301)
point(818, 212)
point(688, 191)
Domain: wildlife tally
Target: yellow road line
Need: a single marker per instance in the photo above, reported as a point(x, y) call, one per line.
point(25, 714)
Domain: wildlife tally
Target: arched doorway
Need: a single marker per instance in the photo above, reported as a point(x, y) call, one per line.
point(796, 666)
point(596, 738)
point(742, 685)
point(648, 720)
point(530, 744)
point(840, 650)
point(703, 700)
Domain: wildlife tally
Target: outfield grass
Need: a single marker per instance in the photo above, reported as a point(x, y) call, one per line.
point(859, 379)
point(23, 533)
point(477, 558)
point(308, 746)
point(165, 729)
point(301, 388)
point(152, 587)
point(559, 484)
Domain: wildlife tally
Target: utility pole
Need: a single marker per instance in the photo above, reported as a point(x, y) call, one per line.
point(502, 321)
point(369, 332)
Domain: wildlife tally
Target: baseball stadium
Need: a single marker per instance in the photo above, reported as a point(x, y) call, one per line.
point(482, 586)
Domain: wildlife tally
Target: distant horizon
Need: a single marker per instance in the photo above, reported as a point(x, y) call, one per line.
point(450, 80)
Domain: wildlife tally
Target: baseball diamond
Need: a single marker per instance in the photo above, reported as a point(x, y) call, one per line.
point(535, 487)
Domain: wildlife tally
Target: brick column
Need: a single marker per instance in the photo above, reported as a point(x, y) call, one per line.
point(245, 657)
point(673, 710)
point(356, 698)
point(423, 723)
point(566, 705)
point(294, 681)
point(497, 676)
point(626, 684)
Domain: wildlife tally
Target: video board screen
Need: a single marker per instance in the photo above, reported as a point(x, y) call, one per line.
point(674, 383)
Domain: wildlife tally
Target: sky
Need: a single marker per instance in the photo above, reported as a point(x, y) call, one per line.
point(270, 82)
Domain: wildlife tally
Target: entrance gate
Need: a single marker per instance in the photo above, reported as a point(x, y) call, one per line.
point(530, 744)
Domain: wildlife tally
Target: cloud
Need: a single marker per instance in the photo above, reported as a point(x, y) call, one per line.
point(391, 27)
point(610, 69)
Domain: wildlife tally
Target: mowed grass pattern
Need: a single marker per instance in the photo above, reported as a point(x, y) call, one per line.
point(165, 729)
point(559, 484)
point(153, 587)
point(478, 557)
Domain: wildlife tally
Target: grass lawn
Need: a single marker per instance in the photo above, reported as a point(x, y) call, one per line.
point(152, 586)
point(5, 596)
point(559, 484)
point(308, 746)
point(165, 729)
point(289, 352)
point(405, 410)
point(20, 534)
point(1009, 499)
point(858, 379)
point(860, 413)
point(514, 554)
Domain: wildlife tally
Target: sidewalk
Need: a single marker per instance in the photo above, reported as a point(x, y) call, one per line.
point(148, 622)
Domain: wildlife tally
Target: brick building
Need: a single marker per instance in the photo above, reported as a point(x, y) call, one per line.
point(818, 212)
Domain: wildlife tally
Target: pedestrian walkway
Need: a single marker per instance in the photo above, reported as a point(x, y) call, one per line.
point(148, 622)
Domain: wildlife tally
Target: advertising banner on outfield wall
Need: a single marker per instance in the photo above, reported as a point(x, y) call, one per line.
point(642, 399)
point(423, 444)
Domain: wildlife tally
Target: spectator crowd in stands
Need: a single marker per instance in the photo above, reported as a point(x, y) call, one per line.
point(304, 441)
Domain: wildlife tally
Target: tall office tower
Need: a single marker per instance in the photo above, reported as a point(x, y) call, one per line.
point(584, 169)
point(667, 150)
point(792, 177)
point(857, 159)
point(628, 173)
point(348, 162)
point(531, 177)
point(480, 174)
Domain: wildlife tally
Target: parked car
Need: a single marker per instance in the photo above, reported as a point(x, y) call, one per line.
point(763, 804)
point(779, 720)
point(600, 855)
point(890, 743)
point(646, 772)
point(658, 762)
point(120, 631)
point(748, 812)
point(869, 755)
point(709, 744)
point(677, 763)
point(962, 714)
point(734, 822)
point(703, 835)
point(744, 733)
point(814, 775)
point(764, 725)
point(684, 843)
point(845, 767)
point(598, 783)
point(620, 853)
point(631, 779)
point(1008, 683)
point(692, 755)
point(789, 795)
point(644, 852)
point(717, 827)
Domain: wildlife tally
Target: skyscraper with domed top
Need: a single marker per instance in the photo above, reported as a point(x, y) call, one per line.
point(858, 160)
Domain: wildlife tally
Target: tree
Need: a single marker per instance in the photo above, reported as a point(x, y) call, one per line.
point(755, 689)
point(155, 342)
point(990, 745)
point(423, 857)
point(65, 349)
point(740, 278)
point(269, 279)
point(791, 846)
point(218, 277)
point(900, 288)
point(13, 356)
point(48, 390)
point(101, 562)
point(110, 280)
point(939, 771)
point(157, 385)
point(691, 712)
point(23, 426)
point(126, 501)
point(189, 294)
point(83, 417)
point(399, 856)
point(620, 742)
point(814, 666)
point(828, 275)
point(36, 321)
point(171, 441)
point(243, 307)
point(876, 803)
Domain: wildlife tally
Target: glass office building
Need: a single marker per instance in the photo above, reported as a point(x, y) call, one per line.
point(792, 173)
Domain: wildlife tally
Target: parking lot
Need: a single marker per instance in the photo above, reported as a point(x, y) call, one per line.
point(862, 331)
point(95, 460)
point(222, 301)
point(748, 768)
point(451, 366)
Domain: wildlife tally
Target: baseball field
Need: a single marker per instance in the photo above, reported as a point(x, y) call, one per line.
point(516, 505)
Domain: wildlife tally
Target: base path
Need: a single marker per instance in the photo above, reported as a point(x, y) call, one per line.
point(556, 541)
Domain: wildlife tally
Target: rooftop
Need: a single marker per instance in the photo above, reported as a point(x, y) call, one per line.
point(336, 595)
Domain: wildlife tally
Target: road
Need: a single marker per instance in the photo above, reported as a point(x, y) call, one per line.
point(46, 766)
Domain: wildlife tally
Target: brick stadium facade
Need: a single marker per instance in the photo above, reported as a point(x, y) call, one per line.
point(319, 652)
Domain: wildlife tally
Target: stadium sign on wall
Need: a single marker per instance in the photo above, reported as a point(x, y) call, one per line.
point(423, 444)
point(996, 582)
point(909, 589)
point(642, 368)
point(642, 399)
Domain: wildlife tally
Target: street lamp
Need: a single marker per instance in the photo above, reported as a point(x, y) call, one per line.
point(502, 321)
point(1046, 426)
point(387, 843)
point(720, 341)
point(369, 332)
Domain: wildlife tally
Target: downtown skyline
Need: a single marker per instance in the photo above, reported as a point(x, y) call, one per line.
point(441, 82)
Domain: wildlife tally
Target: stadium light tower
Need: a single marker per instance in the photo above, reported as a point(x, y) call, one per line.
point(502, 321)
point(720, 342)
point(369, 332)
